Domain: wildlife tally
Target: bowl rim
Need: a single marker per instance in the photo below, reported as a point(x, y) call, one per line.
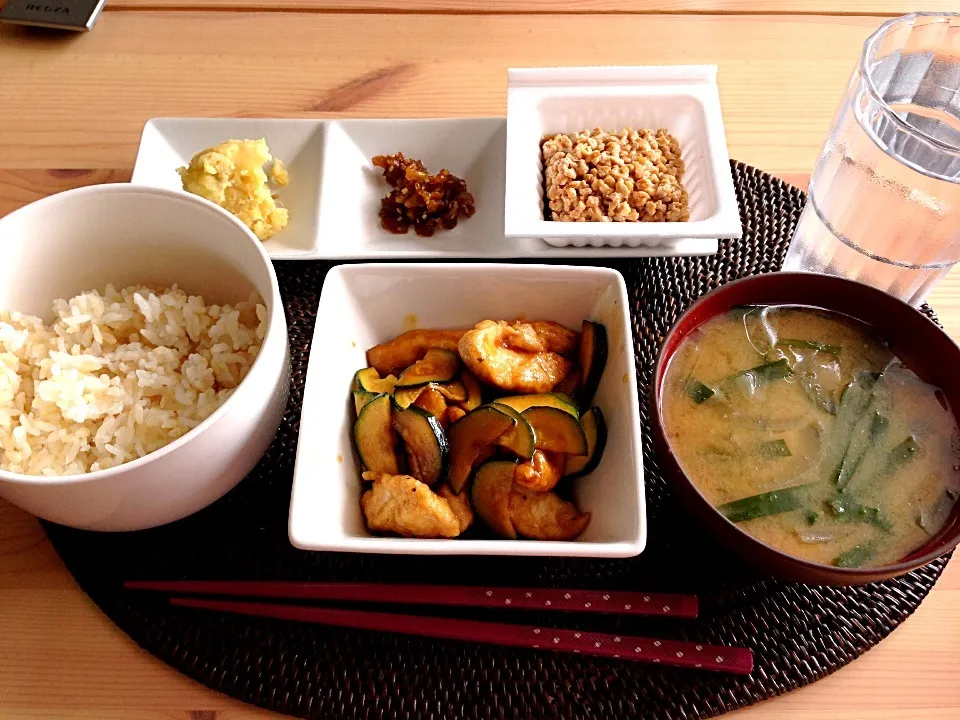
point(626, 547)
point(850, 575)
point(275, 321)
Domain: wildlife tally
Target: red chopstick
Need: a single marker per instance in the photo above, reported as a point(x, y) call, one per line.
point(624, 647)
point(591, 601)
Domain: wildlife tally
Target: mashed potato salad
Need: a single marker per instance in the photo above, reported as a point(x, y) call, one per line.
point(118, 375)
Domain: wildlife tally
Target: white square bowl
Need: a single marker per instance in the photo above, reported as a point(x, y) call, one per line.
point(169, 143)
point(471, 148)
point(362, 305)
point(682, 99)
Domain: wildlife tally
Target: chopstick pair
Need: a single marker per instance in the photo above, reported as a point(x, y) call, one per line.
point(625, 647)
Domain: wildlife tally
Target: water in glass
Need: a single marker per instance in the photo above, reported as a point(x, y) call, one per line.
point(884, 199)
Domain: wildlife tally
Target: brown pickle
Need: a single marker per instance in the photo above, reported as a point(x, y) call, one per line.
point(419, 199)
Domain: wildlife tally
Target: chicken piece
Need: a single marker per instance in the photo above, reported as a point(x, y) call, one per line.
point(517, 356)
point(545, 516)
point(460, 504)
point(404, 350)
point(542, 336)
point(402, 504)
point(540, 473)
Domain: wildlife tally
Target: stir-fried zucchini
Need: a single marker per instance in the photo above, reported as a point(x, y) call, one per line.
point(374, 436)
point(468, 435)
point(520, 439)
point(595, 431)
point(437, 366)
point(424, 442)
point(474, 390)
point(404, 350)
point(593, 358)
point(369, 379)
point(361, 398)
point(521, 403)
point(490, 494)
point(556, 430)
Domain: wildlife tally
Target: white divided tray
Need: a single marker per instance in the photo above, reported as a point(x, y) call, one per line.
point(335, 191)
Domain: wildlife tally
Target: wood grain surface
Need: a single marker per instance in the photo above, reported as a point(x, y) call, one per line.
point(551, 7)
point(872, 8)
point(71, 111)
point(777, 103)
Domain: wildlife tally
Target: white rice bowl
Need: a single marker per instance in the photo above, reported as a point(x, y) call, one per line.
point(118, 375)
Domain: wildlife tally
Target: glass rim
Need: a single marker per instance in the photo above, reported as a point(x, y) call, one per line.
point(869, 45)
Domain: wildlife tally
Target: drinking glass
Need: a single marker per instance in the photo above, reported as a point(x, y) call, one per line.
point(883, 205)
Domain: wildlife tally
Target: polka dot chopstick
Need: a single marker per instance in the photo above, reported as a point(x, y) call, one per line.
point(596, 601)
point(624, 647)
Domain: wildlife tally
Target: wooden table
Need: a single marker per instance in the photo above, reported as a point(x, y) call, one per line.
point(71, 110)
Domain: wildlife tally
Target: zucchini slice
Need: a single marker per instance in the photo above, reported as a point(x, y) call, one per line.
point(519, 439)
point(369, 379)
point(425, 443)
point(469, 435)
point(521, 403)
point(374, 436)
point(361, 398)
point(404, 350)
point(570, 384)
point(595, 430)
point(492, 485)
point(474, 390)
point(454, 391)
point(433, 402)
point(405, 397)
point(454, 413)
point(437, 366)
point(556, 430)
point(593, 358)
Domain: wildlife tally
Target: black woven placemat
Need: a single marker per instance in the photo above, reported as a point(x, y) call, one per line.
point(799, 633)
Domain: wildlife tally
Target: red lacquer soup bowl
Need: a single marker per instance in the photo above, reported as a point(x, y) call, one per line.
point(915, 339)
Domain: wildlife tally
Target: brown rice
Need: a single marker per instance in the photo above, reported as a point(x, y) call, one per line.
point(118, 375)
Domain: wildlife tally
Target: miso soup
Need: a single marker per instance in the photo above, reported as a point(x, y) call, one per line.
point(803, 428)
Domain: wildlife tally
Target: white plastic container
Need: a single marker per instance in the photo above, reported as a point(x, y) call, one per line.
point(683, 99)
